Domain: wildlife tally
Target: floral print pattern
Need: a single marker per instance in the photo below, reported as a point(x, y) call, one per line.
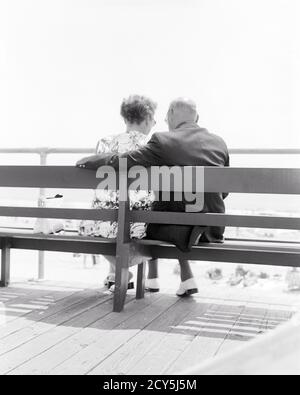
point(139, 200)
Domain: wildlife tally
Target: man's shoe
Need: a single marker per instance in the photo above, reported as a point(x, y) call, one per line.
point(152, 285)
point(187, 288)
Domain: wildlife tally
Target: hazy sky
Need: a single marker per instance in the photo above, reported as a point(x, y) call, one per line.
point(65, 66)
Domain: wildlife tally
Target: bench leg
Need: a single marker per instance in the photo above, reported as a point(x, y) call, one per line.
point(5, 263)
point(140, 286)
point(121, 284)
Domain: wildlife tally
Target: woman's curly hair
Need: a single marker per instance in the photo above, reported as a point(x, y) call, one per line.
point(137, 109)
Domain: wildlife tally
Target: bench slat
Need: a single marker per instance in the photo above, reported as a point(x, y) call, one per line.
point(64, 213)
point(215, 253)
point(79, 244)
point(234, 252)
point(232, 180)
point(209, 219)
point(61, 177)
point(38, 236)
point(239, 244)
point(252, 180)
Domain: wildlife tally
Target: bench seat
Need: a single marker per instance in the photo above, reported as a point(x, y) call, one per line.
point(234, 251)
point(70, 242)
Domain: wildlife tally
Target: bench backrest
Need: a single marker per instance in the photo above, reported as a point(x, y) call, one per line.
point(227, 180)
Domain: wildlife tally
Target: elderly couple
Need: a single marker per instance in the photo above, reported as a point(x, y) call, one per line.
point(185, 144)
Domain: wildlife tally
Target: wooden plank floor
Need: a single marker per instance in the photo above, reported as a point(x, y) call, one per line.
point(58, 328)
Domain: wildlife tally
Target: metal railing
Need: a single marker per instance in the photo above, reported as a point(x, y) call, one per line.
point(44, 152)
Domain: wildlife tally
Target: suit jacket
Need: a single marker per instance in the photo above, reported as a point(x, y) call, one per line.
point(188, 145)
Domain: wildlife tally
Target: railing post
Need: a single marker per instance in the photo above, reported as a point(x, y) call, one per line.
point(41, 203)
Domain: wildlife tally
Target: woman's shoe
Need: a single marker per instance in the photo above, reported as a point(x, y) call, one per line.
point(109, 282)
point(187, 288)
point(152, 285)
point(112, 287)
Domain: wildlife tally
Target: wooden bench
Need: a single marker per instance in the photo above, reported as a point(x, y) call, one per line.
point(130, 252)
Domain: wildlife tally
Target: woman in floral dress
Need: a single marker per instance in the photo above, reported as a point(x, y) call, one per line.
point(138, 114)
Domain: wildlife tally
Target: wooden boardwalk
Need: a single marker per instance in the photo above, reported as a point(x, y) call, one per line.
point(56, 328)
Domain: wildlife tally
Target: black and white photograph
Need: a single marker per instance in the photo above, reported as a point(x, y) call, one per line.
point(149, 190)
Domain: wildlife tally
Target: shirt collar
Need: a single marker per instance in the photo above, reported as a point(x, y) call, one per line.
point(186, 124)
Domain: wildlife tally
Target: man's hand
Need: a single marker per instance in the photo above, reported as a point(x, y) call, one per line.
point(90, 162)
point(81, 163)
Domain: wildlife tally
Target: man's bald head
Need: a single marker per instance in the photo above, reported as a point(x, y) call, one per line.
point(181, 110)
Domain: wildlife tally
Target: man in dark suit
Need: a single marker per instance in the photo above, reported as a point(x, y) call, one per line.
point(186, 144)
